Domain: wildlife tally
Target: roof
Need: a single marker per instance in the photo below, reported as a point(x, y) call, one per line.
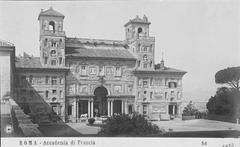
point(157, 71)
point(50, 12)
point(29, 62)
point(70, 40)
point(100, 53)
point(6, 43)
point(138, 20)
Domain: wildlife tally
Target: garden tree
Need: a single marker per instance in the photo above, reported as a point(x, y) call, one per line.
point(190, 109)
point(230, 76)
point(129, 125)
point(225, 102)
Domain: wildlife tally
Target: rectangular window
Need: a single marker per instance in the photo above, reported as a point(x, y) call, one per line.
point(145, 49)
point(150, 48)
point(145, 83)
point(172, 85)
point(151, 81)
point(54, 91)
point(70, 110)
point(31, 79)
point(53, 62)
point(61, 94)
point(139, 63)
point(144, 110)
point(45, 60)
point(83, 70)
point(166, 95)
point(47, 80)
point(60, 60)
point(145, 65)
point(54, 80)
point(129, 89)
point(151, 95)
point(130, 109)
point(118, 71)
point(61, 80)
point(47, 94)
point(172, 93)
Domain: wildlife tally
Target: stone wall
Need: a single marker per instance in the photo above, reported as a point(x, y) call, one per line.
point(22, 123)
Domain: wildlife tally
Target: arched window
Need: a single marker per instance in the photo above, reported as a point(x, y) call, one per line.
point(47, 93)
point(139, 30)
point(145, 57)
point(45, 42)
point(150, 63)
point(52, 26)
point(139, 63)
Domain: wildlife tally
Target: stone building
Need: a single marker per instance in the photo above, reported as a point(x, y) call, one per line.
point(7, 54)
point(77, 76)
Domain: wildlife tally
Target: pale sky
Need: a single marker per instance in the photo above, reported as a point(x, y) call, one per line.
point(198, 36)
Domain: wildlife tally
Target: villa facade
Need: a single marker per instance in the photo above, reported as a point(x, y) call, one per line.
point(95, 77)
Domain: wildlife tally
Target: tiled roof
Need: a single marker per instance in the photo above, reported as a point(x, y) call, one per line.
point(32, 62)
point(138, 20)
point(50, 12)
point(5, 43)
point(165, 70)
point(100, 53)
point(70, 40)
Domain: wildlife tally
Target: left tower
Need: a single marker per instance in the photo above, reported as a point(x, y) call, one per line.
point(52, 38)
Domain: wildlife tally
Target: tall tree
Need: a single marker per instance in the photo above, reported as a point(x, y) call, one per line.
point(230, 76)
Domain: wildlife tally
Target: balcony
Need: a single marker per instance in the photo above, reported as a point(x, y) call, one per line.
point(51, 33)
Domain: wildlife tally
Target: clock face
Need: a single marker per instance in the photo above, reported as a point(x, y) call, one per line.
point(53, 53)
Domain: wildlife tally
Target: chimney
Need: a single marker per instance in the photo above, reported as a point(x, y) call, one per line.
point(145, 18)
point(162, 65)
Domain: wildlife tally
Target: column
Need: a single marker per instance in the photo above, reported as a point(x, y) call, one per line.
point(109, 108)
point(77, 111)
point(126, 108)
point(91, 108)
point(173, 109)
point(122, 106)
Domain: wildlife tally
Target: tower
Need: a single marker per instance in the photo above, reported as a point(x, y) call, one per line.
point(52, 38)
point(140, 43)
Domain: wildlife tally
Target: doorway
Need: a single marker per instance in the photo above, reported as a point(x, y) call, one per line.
point(100, 101)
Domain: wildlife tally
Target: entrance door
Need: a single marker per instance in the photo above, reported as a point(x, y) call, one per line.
point(130, 110)
point(145, 110)
point(100, 101)
point(172, 109)
point(117, 107)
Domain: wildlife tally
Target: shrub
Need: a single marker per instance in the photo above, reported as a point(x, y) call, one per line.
point(134, 125)
point(91, 121)
point(190, 110)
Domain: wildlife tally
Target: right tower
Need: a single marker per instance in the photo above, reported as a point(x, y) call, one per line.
point(140, 43)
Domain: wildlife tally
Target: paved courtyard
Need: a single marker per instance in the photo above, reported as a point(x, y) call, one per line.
point(174, 126)
point(196, 125)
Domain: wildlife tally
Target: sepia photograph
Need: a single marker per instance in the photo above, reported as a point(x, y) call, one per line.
point(100, 69)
